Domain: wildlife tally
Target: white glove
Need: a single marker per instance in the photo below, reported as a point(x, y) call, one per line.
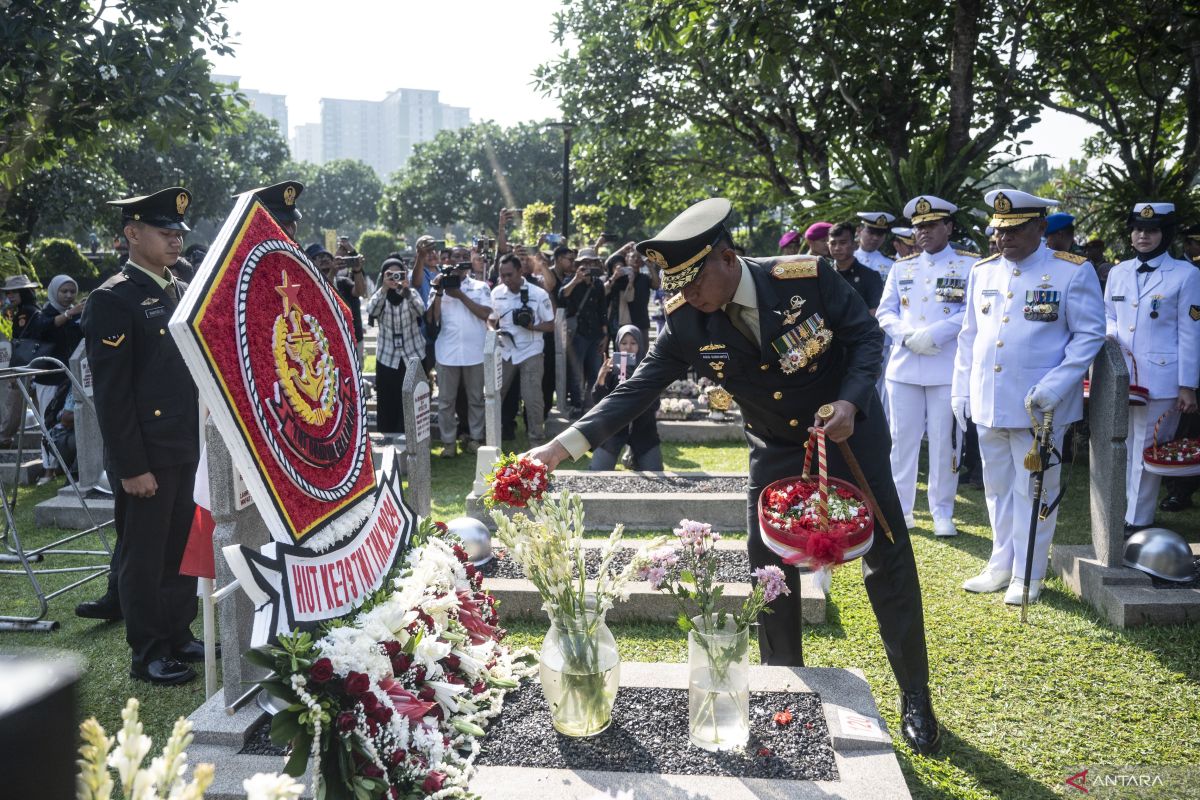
point(921, 343)
point(961, 406)
point(1041, 397)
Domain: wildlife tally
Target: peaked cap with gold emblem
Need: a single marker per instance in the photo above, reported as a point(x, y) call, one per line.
point(1152, 214)
point(878, 220)
point(680, 248)
point(162, 209)
point(927, 208)
point(1011, 207)
point(280, 200)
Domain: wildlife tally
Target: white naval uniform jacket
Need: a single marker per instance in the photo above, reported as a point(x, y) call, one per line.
point(1008, 344)
point(1166, 346)
point(910, 302)
point(875, 260)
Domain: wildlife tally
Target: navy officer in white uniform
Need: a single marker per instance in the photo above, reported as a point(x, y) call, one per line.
point(872, 233)
point(1034, 322)
point(1152, 306)
point(922, 312)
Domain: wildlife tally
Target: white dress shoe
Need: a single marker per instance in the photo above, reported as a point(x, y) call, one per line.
point(1017, 588)
point(944, 527)
point(910, 521)
point(987, 581)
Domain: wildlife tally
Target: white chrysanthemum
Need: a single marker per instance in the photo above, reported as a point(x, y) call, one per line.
point(352, 650)
point(385, 620)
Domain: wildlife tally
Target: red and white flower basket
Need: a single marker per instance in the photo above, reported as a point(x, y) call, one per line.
point(1180, 457)
point(815, 521)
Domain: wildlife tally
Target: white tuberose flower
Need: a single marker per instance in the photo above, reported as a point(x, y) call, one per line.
point(269, 786)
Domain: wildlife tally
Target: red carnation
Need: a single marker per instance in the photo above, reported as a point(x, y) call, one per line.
point(357, 683)
point(321, 670)
point(441, 526)
point(433, 782)
point(515, 481)
point(460, 553)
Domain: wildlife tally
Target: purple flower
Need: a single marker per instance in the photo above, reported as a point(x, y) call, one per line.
point(773, 582)
point(656, 576)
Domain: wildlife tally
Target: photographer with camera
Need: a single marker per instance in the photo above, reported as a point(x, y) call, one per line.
point(522, 313)
point(457, 319)
point(584, 298)
point(351, 288)
point(629, 289)
point(425, 269)
point(397, 308)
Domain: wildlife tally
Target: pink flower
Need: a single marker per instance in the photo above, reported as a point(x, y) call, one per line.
point(773, 582)
point(405, 702)
point(473, 615)
point(433, 782)
point(656, 575)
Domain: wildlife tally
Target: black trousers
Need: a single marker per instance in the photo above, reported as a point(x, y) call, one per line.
point(159, 604)
point(549, 373)
point(889, 569)
point(389, 393)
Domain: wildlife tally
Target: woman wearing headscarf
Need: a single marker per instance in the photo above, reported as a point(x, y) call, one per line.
point(57, 322)
point(642, 434)
point(20, 307)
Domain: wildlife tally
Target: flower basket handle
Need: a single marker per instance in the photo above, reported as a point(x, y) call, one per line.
point(816, 441)
point(1157, 423)
point(1132, 365)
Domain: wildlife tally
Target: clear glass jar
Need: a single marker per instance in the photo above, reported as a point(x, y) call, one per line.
point(718, 684)
point(580, 671)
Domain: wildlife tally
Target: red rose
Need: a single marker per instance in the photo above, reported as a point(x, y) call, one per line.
point(369, 702)
point(372, 771)
point(479, 688)
point(426, 694)
point(346, 722)
point(433, 782)
point(391, 648)
point(357, 683)
point(321, 670)
point(460, 553)
point(419, 673)
point(400, 663)
point(397, 757)
point(441, 526)
point(382, 714)
point(452, 661)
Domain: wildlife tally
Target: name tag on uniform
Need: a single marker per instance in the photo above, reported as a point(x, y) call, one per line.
point(157, 311)
point(905, 281)
point(988, 292)
point(1117, 298)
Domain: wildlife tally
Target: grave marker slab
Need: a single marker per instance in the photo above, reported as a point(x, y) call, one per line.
point(415, 398)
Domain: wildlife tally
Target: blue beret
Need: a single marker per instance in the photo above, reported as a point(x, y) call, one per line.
point(1059, 220)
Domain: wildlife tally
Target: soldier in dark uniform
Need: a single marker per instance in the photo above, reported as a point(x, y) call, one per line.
point(746, 322)
point(147, 408)
point(280, 199)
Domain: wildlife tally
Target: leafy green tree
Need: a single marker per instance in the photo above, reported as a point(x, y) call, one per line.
point(374, 245)
point(74, 74)
point(61, 257)
point(342, 195)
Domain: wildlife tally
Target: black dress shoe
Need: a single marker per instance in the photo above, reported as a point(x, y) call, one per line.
point(1174, 502)
point(105, 608)
point(917, 722)
point(162, 671)
point(192, 652)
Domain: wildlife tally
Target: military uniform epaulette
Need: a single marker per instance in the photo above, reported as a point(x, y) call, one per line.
point(967, 253)
point(992, 257)
point(802, 267)
point(1066, 256)
point(674, 302)
point(907, 257)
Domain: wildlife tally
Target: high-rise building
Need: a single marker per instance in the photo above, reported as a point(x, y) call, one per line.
point(306, 143)
point(271, 106)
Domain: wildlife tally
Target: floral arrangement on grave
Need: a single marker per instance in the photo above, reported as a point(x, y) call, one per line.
point(815, 520)
point(1177, 457)
point(675, 408)
point(391, 701)
point(514, 481)
point(166, 776)
point(718, 638)
point(580, 668)
point(683, 387)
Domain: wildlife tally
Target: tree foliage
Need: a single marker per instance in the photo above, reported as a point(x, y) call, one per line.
point(342, 195)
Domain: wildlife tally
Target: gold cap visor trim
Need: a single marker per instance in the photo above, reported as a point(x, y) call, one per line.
point(917, 219)
point(679, 276)
point(1013, 220)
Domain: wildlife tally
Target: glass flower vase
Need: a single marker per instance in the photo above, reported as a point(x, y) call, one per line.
point(718, 684)
point(580, 671)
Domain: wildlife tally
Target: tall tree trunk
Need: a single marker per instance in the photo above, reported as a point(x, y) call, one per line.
point(962, 74)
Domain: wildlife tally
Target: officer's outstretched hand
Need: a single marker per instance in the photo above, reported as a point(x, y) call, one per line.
point(143, 485)
point(840, 426)
point(551, 454)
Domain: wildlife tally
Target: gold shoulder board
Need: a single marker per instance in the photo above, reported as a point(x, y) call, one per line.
point(992, 257)
point(907, 257)
point(1065, 256)
point(968, 253)
point(674, 302)
point(805, 267)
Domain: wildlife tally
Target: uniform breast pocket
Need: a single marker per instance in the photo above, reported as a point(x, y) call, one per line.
point(1162, 359)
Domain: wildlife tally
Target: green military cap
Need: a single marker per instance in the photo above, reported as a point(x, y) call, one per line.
point(680, 248)
point(280, 200)
point(162, 209)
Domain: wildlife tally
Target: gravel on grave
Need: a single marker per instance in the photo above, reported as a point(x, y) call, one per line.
point(633, 483)
point(732, 565)
point(258, 742)
point(643, 739)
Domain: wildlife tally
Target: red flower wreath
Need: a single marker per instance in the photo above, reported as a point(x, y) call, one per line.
point(515, 481)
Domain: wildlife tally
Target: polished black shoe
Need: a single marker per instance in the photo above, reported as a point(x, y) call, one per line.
point(917, 722)
point(192, 652)
point(162, 671)
point(1174, 502)
point(105, 608)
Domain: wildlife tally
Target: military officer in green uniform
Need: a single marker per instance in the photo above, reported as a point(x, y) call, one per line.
point(280, 199)
point(747, 323)
point(147, 408)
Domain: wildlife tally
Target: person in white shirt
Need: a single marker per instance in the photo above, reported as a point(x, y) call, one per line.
point(521, 312)
point(922, 311)
point(1152, 309)
point(872, 233)
point(458, 311)
point(1033, 325)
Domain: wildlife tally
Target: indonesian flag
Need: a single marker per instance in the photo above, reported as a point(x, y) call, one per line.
point(198, 557)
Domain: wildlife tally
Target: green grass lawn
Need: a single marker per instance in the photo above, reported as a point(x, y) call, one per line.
point(1024, 706)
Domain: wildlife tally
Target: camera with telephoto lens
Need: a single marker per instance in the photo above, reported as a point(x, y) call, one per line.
point(523, 316)
point(450, 277)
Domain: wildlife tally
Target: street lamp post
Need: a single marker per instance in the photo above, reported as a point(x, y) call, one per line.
point(567, 128)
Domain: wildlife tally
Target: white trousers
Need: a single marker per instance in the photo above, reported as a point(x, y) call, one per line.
point(1008, 490)
point(1141, 487)
point(914, 410)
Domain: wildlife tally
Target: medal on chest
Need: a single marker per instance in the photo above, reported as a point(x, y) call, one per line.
point(1155, 302)
point(1041, 305)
